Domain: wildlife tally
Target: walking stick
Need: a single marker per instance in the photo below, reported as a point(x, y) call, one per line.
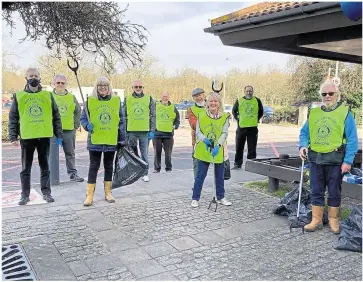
point(74, 69)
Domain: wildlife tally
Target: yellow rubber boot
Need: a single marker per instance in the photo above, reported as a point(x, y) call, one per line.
point(334, 224)
point(108, 189)
point(317, 219)
point(89, 195)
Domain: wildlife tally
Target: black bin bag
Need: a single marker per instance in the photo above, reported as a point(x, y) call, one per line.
point(227, 170)
point(350, 237)
point(128, 167)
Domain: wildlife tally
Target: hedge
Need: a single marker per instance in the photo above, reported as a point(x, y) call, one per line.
point(286, 114)
point(5, 128)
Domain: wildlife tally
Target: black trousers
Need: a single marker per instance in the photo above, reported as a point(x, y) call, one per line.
point(28, 147)
point(249, 134)
point(159, 144)
point(95, 162)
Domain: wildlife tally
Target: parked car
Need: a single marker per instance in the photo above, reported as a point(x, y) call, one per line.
point(268, 113)
point(184, 105)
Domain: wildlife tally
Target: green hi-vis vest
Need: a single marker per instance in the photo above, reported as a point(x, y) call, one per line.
point(36, 115)
point(196, 110)
point(248, 112)
point(165, 116)
point(138, 113)
point(211, 129)
point(105, 117)
point(66, 107)
point(327, 128)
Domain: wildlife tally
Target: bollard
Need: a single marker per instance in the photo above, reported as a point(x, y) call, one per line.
point(54, 161)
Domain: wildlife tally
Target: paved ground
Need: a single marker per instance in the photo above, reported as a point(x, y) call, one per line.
point(152, 233)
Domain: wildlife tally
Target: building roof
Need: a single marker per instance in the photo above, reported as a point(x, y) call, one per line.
point(257, 10)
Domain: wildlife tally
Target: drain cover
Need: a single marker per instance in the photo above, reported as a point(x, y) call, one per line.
point(15, 264)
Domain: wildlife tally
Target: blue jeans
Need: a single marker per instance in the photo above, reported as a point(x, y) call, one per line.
point(202, 173)
point(322, 176)
point(143, 139)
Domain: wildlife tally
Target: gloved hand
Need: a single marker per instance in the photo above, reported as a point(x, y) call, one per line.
point(151, 135)
point(207, 143)
point(59, 142)
point(90, 127)
point(215, 151)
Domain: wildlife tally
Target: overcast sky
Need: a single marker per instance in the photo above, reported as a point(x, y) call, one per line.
point(176, 38)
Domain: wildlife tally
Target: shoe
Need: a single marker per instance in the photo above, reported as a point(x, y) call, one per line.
point(75, 177)
point(168, 170)
point(48, 198)
point(195, 203)
point(224, 202)
point(156, 171)
point(334, 224)
point(236, 167)
point(89, 194)
point(146, 178)
point(23, 201)
point(317, 219)
point(108, 189)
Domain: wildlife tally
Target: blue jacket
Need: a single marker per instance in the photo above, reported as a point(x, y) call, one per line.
point(121, 131)
point(350, 133)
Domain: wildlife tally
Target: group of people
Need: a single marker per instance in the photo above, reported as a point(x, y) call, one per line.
point(328, 138)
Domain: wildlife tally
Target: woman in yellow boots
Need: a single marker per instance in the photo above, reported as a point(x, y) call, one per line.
point(106, 129)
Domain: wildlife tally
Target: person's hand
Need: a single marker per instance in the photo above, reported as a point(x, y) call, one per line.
point(151, 135)
point(303, 153)
point(59, 142)
point(345, 168)
point(207, 143)
point(90, 127)
point(15, 143)
point(215, 151)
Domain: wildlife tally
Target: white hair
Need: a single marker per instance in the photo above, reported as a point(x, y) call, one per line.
point(330, 83)
point(32, 69)
point(61, 76)
point(210, 97)
point(99, 81)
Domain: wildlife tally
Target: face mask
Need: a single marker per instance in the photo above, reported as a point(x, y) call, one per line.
point(33, 82)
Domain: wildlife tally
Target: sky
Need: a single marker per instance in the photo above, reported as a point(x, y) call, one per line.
point(176, 39)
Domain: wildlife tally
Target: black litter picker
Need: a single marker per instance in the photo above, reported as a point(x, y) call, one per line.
point(214, 200)
point(297, 223)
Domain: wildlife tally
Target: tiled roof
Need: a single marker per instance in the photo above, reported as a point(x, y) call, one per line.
point(258, 10)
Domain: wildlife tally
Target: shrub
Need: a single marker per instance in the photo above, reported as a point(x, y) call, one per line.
point(5, 129)
point(286, 114)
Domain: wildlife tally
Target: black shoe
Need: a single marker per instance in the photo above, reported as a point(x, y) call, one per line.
point(236, 167)
point(75, 177)
point(156, 171)
point(23, 201)
point(48, 198)
point(168, 170)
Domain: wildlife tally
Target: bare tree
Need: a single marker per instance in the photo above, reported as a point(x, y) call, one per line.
point(76, 26)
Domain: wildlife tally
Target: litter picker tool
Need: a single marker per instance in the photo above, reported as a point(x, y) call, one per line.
point(214, 200)
point(74, 69)
point(296, 223)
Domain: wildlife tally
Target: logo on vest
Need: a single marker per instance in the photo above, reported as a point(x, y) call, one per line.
point(138, 111)
point(35, 111)
point(165, 116)
point(62, 109)
point(323, 132)
point(249, 111)
point(105, 118)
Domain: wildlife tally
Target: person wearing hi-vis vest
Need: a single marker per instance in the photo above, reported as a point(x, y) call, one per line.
point(106, 129)
point(329, 139)
point(211, 135)
point(247, 111)
point(34, 116)
point(141, 121)
point(198, 96)
point(70, 112)
point(167, 119)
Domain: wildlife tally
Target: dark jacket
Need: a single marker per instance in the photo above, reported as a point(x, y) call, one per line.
point(235, 111)
point(121, 130)
point(176, 123)
point(14, 118)
point(152, 108)
point(77, 111)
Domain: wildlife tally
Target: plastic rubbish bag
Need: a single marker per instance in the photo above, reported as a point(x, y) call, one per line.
point(128, 167)
point(227, 170)
point(350, 237)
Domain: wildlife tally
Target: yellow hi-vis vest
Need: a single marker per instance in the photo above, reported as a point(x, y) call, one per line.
point(165, 116)
point(66, 107)
point(211, 129)
point(105, 117)
point(248, 112)
point(36, 115)
point(138, 113)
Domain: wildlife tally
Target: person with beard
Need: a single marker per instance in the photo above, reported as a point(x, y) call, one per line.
point(70, 112)
point(34, 116)
point(140, 112)
point(329, 139)
point(192, 113)
point(247, 111)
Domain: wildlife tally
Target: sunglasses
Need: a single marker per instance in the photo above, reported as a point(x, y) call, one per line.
point(103, 85)
point(60, 82)
point(138, 87)
point(328, 93)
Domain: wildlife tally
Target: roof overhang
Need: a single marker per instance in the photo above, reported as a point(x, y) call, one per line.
point(317, 30)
